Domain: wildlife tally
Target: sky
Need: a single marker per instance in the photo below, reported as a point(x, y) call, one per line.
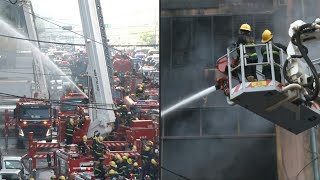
point(115, 12)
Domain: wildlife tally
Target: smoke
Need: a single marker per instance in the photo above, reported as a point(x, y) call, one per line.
point(195, 46)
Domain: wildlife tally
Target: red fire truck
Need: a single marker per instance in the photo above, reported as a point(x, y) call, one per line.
point(70, 103)
point(33, 116)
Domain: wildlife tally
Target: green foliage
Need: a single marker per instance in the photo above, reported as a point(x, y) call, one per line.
point(148, 37)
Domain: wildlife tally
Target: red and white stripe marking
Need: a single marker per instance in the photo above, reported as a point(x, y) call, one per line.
point(123, 153)
point(250, 85)
point(41, 156)
point(115, 144)
point(46, 145)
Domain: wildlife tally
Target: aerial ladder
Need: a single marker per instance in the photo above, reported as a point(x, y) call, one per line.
point(292, 103)
point(102, 114)
point(40, 89)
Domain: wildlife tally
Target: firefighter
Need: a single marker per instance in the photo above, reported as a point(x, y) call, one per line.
point(101, 168)
point(129, 167)
point(266, 70)
point(113, 165)
point(96, 170)
point(113, 174)
point(31, 178)
point(62, 178)
point(69, 132)
point(153, 171)
point(81, 122)
point(82, 147)
point(100, 149)
point(146, 157)
point(245, 38)
point(96, 135)
point(136, 171)
point(123, 167)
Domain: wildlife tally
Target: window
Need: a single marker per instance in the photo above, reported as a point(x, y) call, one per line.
point(13, 164)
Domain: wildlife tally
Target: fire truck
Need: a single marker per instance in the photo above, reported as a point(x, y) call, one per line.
point(70, 102)
point(33, 116)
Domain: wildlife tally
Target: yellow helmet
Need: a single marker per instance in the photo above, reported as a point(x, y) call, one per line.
point(266, 36)
point(146, 148)
point(71, 122)
point(85, 138)
point(135, 164)
point(118, 156)
point(113, 164)
point(134, 148)
point(112, 172)
point(140, 89)
point(245, 27)
point(129, 161)
point(52, 177)
point(124, 157)
point(100, 139)
point(153, 161)
point(62, 178)
point(33, 178)
point(150, 143)
point(139, 85)
point(126, 154)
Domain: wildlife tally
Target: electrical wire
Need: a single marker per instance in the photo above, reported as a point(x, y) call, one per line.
point(183, 177)
point(33, 40)
point(305, 167)
point(44, 19)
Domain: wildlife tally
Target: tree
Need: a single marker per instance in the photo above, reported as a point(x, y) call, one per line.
point(148, 37)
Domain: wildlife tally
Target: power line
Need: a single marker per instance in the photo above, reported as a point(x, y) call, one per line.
point(110, 46)
point(33, 40)
point(175, 173)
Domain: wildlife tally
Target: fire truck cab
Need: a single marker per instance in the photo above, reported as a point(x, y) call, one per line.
point(33, 116)
point(70, 103)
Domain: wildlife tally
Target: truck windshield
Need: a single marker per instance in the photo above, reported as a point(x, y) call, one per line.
point(35, 113)
point(70, 104)
point(13, 164)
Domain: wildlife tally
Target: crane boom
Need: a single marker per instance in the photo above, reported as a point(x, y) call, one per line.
point(102, 117)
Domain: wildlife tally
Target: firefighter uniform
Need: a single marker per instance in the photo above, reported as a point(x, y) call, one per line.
point(100, 149)
point(100, 171)
point(246, 39)
point(82, 147)
point(123, 167)
point(266, 70)
point(153, 171)
point(69, 132)
point(129, 167)
point(146, 158)
point(97, 171)
point(136, 171)
point(96, 135)
point(113, 174)
point(113, 165)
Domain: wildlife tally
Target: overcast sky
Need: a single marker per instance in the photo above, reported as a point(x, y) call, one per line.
point(115, 12)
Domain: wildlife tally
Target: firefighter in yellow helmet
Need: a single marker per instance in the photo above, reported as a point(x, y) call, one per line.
point(82, 146)
point(267, 37)
point(100, 149)
point(154, 169)
point(113, 174)
point(245, 38)
point(123, 167)
point(129, 167)
point(62, 178)
point(113, 165)
point(136, 170)
point(31, 178)
point(52, 177)
point(69, 131)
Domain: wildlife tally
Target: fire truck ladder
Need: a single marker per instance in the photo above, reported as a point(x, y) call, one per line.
point(105, 42)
